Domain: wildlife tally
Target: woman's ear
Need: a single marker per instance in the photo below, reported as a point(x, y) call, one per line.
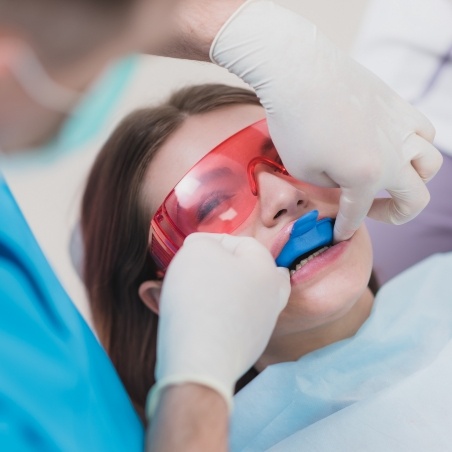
point(149, 292)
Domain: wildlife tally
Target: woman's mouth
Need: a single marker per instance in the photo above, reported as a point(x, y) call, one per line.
point(309, 237)
point(319, 263)
point(305, 258)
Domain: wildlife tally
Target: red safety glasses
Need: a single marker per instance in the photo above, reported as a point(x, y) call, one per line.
point(217, 195)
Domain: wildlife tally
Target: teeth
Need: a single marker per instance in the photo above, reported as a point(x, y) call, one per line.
point(309, 258)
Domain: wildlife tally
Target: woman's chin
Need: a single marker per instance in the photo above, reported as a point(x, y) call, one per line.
point(328, 286)
point(319, 306)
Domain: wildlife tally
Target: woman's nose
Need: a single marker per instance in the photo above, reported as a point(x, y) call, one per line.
point(280, 200)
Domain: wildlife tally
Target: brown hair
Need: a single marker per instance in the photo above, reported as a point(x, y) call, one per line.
point(115, 228)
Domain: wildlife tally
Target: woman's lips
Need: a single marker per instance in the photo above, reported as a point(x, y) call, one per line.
point(281, 239)
point(320, 263)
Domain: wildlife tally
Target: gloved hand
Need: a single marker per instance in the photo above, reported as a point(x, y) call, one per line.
point(219, 304)
point(333, 122)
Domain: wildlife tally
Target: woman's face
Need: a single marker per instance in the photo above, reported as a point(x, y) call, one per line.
point(326, 287)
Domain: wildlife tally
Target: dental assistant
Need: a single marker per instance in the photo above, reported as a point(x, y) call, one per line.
point(58, 389)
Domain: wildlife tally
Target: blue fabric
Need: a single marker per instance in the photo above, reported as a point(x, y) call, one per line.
point(398, 360)
point(58, 389)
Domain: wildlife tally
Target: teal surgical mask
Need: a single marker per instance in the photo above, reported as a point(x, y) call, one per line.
point(39, 86)
point(87, 112)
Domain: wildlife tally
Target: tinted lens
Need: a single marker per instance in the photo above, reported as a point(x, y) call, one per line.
point(215, 195)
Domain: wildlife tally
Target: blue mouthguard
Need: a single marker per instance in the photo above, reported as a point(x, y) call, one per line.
point(307, 234)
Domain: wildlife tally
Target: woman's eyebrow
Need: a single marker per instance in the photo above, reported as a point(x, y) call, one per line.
point(215, 173)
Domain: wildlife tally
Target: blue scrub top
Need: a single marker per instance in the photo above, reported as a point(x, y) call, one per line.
point(58, 389)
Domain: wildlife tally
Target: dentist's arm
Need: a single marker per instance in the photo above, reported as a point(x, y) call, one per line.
point(220, 301)
point(333, 122)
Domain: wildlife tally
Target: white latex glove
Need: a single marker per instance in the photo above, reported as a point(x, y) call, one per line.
point(333, 122)
point(219, 304)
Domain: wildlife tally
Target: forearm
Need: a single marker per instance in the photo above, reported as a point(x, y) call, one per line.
point(186, 29)
point(189, 417)
point(211, 334)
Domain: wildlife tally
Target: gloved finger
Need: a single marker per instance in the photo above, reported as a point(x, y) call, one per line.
point(241, 246)
point(425, 158)
point(406, 202)
point(249, 249)
point(424, 127)
point(414, 120)
point(210, 241)
point(313, 176)
point(227, 242)
point(246, 247)
point(284, 286)
point(354, 204)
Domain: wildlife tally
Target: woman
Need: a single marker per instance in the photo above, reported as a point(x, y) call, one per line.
point(139, 165)
point(204, 161)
